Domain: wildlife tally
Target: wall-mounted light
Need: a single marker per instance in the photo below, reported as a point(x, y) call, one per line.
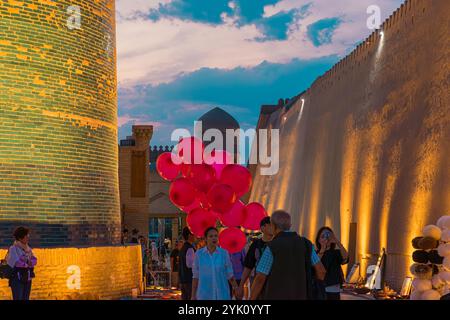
point(301, 110)
point(380, 45)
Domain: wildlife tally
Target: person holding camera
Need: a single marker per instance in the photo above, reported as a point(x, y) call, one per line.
point(332, 255)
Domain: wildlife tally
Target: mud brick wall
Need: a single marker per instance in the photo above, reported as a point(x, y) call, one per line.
point(83, 273)
point(369, 142)
point(58, 123)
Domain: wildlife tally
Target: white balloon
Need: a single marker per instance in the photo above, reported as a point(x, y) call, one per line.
point(444, 222)
point(432, 231)
point(446, 262)
point(437, 282)
point(421, 285)
point(445, 276)
point(431, 295)
point(444, 249)
point(445, 236)
point(446, 290)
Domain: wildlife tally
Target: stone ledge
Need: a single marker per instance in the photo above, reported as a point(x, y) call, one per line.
point(104, 273)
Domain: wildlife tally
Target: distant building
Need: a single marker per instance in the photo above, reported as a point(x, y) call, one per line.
point(134, 178)
point(221, 120)
point(218, 119)
point(144, 195)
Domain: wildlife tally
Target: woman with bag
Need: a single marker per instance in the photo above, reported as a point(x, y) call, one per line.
point(20, 257)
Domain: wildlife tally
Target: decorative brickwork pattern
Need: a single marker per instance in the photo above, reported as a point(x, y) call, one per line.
point(83, 273)
point(155, 152)
point(58, 122)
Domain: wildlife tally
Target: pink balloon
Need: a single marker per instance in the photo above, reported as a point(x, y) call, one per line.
point(185, 169)
point(190, 150)
point(254, 213)
point(203, 198)
point(166, 168)
point(202, 176)
point(232, 239)
point(201, 201)
point(221, 197)
point(182, 193)
point(235, 217)
point(198, 220)
point(189, 208)
point(238, 177)
point(219, 160)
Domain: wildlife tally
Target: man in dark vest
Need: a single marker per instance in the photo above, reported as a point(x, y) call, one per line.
point(186, 255)
point(286, 267)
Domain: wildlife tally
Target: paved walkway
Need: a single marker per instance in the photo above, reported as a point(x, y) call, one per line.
point(159, 293)
point(349, 296)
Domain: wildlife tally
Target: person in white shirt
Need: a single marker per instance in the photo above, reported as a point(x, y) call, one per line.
point(212, 271)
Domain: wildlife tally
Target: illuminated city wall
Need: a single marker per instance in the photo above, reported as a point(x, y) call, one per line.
point(58, 122)
point(371, 142)
point(97, 273)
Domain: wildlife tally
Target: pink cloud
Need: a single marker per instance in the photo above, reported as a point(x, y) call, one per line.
point(138, 120)
point(155, 52)
point(155, 124)
point(123, 120)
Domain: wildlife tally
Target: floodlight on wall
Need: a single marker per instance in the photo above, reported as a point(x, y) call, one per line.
point(301, 110)
point(380, 46)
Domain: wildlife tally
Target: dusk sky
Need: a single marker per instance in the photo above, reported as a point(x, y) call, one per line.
point(178, 59)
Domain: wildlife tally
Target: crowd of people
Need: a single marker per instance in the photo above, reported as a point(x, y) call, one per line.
point(155, 256)
point(279, 265)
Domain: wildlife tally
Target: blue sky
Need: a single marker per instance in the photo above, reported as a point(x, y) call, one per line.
point(178, 59)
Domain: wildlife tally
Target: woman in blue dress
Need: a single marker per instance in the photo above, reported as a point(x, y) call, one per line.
point(212, 270)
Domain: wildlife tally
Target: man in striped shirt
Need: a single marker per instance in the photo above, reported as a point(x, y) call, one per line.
point(286, 267)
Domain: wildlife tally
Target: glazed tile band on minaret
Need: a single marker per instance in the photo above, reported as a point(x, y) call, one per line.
point(58, 122)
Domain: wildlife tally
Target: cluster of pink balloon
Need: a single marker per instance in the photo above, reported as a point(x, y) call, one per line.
point(208, 188)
